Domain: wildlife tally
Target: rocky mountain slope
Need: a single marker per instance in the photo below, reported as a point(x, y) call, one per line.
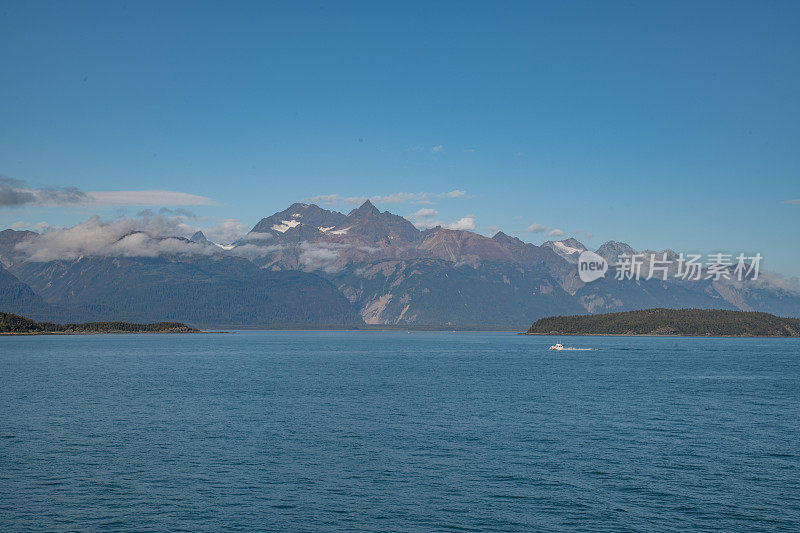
point(438, 292)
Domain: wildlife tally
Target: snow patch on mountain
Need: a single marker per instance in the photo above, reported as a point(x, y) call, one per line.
point(569, 249)
point(566, 249)
point(285, 225)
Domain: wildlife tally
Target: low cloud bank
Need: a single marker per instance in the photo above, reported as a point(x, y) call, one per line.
point(153, 235)
point(144, 237)
point(149, 235)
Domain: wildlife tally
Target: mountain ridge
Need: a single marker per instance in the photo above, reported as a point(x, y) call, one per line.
point(383, 268)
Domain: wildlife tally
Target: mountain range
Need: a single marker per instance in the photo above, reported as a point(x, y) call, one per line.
point(310, 266)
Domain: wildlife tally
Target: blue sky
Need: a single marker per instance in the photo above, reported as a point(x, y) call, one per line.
point(664, 125)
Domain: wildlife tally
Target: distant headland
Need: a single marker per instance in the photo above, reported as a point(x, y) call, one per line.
point(11, 324)
point(671, 322)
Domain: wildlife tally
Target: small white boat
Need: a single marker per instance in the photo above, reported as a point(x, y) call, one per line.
point(559, 346)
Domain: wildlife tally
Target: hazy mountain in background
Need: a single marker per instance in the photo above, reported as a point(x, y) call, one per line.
point(18, 298)
point(611, 250)
point(9, 239)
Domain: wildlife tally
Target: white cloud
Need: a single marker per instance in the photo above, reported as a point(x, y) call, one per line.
point(584, 233)
point(437, 148)
point(43, 226)
point(146, 236)
point(402, 198)
point(466, 223)
point(333, 199)
point(255, 251)
point(394, 198)
point(319, 255)
point(423, 219)
point(536, 228)
point(420, 198)
point(493, 229)
point(425, 213)
point(257, 237)
point(556, 233)
point(39, 226)
point(226, 231)
point(147, 197)
point(795, 201)
point(94, 237)
point(455, 193)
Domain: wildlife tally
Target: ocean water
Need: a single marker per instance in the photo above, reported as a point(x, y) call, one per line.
point(396, 431)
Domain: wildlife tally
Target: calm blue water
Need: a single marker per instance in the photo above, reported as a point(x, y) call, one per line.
point(396, 431)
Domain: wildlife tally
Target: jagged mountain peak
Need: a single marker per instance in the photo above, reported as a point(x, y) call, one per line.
point(573, 242)
point(367, 208)
point(373, 224)
point(506, 239)
point(300, 210)
point(461, 245)
point(611, 250)
point(299, 215)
